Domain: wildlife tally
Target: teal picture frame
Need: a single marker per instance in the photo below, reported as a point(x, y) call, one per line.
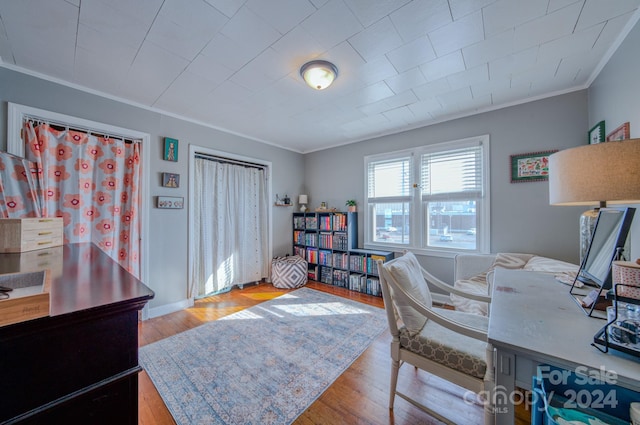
point(170, 149)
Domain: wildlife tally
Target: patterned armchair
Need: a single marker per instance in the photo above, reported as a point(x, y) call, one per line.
point(450, 344)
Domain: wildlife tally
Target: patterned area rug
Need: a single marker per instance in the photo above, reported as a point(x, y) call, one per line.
point(263, 365)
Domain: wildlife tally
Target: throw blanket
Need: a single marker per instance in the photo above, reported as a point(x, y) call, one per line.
point(479, 284)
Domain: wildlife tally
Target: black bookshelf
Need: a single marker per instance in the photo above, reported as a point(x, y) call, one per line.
point(328, 241)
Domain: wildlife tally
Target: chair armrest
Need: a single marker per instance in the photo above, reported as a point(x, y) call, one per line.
point(451, 289)
point(469, 265)
point(432, 315)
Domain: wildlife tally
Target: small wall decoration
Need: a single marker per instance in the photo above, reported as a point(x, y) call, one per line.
point(170, 149)
point(596, 134)
point(170, 202)
point(170, 180)
point(621, 133)
point(529, 167)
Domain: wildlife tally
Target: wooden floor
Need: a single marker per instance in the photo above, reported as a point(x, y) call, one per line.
point(359, 396)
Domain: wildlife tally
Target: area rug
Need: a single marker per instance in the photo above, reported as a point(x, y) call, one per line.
point(263, 365)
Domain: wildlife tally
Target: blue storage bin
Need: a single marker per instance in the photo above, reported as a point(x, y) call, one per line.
point(559, 393)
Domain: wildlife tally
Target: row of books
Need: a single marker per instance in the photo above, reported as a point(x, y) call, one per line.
point(325, 258)
point(361, 263)
point(333, 241)
point(299, 222)
point(367, 285)
point(335, 222)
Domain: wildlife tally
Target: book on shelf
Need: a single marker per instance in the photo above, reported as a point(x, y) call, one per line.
point(311, 222)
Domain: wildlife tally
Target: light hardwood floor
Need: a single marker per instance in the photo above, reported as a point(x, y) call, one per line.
point(359, 396)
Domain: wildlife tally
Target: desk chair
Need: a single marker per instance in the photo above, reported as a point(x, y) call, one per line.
point(450, 344)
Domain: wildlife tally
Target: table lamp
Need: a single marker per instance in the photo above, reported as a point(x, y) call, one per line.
point(598, 174)
point(303, 201)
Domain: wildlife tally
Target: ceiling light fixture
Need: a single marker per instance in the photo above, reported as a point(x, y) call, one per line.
point(319, 74)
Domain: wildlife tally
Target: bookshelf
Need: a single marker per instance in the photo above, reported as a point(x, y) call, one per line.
point(328, 241)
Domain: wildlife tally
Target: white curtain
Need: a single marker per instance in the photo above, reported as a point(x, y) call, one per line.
point(230, 235)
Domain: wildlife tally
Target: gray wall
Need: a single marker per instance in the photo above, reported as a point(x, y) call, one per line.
point(168, 238)
point(613, 97)
point(521, 218)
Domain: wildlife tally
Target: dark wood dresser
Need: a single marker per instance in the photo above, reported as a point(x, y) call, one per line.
point(80, 364)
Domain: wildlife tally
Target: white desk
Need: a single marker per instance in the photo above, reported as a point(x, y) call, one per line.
point(534, 320)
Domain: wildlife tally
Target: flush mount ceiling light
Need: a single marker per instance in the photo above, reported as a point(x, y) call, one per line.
point(319, 74)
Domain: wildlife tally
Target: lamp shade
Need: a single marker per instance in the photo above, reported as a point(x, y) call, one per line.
point(603, 173)
point(302, 199)
point(319, 74)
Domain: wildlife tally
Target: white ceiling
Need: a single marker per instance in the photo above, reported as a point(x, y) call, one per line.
point(234, 64)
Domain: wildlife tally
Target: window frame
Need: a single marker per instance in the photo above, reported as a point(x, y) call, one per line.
point(418, 242)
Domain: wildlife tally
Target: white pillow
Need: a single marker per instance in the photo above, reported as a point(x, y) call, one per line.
point(406, 272)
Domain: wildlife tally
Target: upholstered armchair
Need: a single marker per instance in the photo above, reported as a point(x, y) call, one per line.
point(450, 344)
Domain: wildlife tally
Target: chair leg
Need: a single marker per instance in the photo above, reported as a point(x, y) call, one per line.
point(395, 367)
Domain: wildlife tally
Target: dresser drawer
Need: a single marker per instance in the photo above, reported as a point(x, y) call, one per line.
point(28, 234)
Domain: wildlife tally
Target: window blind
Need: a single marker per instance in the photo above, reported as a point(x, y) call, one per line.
point(389, 179)
point(452, 174)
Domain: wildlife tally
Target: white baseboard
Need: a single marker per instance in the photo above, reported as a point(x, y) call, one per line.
point(169, 308)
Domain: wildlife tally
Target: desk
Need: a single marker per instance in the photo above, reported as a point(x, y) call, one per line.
point(534, 320)
point(79, 365)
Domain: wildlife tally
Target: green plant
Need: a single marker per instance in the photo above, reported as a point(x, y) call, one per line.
point(351, 203)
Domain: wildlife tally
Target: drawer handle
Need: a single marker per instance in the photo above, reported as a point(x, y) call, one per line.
point(45, 220)
point(44, 233)
point(44, 254)
point(44, 243)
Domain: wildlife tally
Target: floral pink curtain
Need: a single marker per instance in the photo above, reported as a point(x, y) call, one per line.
point(20, 192)
point(93, 183)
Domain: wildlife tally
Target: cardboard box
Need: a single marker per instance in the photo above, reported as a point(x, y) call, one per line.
point(29, 298)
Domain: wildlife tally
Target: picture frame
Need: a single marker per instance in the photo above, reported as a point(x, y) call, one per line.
point(596, 134)
point(529, 167)
point(170, 149)
point(170, 180)
point(170, 202)
point(621, 133)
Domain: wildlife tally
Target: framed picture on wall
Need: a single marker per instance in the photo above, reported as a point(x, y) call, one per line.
point(170, 180)
point(620, 133)
point(529, 167)
point(596, 134)
point(170, 202)
point(170, 149)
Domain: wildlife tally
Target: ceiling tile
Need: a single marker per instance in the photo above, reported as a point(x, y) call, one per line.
point(100, 45)
point(6, 55)
point(401, 115)
point(153, 70)
point(406, 80)
point(443, 66)
point(298, 45)
point(458, 34)
point(577, 43)
point(513, 64)
point(368, 11)
point(486, 88)
point(597, 11)
point(332, 24)
point(282, 15)
point(255, 41)
point(493, 47)
point(183, 92)
point(479, 74)
point(185, 31)
point(210, 69)
point(547, 28)
point(228, 7)
point(421, 17)
point(412, 54)
point(507, 14)
point(376, 40)
point(431, 90)
point(460, 8)
point(90, 70)
point(117, 24)
point(266, 68)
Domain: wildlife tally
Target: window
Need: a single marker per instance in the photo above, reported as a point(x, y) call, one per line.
point(430, 198)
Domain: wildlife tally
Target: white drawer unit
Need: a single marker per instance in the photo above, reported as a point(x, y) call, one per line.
point(28, 234)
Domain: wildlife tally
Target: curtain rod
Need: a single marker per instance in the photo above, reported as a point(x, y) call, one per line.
point(66, 126)
point(224, 160)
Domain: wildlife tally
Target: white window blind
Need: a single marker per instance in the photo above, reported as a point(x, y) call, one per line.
point(453, 174)
point(389, 179)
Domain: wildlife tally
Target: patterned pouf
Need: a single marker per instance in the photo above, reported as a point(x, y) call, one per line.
point(288, 272)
